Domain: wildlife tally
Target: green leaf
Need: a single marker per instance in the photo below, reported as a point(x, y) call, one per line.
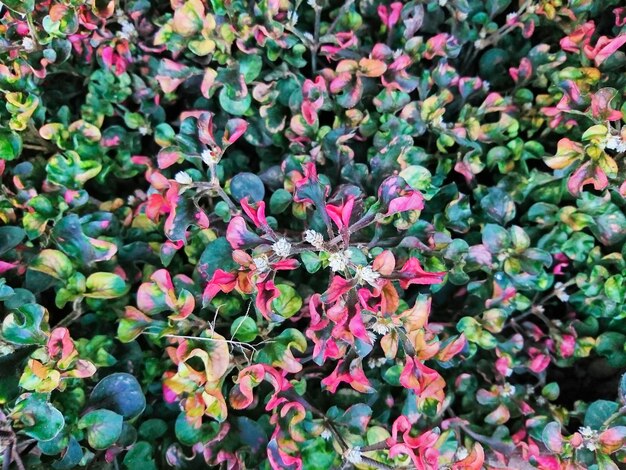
point(278, 353)
point(121, 393)
point(186, 433)
point(247, 185)
point(53, 263)
point(140, 455)
point(105, 286)
point(234, 106)
point(417, 177)
point(551, 391)
point(70, 171)
point(598, 412)
point(495, 238)
point(26, 325)
point(244, 329)
point(19, 298)
point(288, 303)
point(217, 254)
point(311, 261)
point(250, 66)
point(20, 6)
point(498, 206)
point(73, 242)
point(280, 200)
point(104, 427)
point(72, 456)
point(615, 288)
point(152, 429)
point(36, 417)
point(10, 237)
point(610, 344)
point(578, 246)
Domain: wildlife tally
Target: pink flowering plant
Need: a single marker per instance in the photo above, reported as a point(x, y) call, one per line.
point(313, 235)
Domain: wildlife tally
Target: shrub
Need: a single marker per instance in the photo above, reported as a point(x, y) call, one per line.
point(313, 234)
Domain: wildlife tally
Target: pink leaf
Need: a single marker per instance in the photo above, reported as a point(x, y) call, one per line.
point(235, 128)
point(413, 273)
point(589, 173)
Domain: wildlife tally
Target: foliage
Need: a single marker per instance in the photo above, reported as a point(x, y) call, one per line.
point(311, 235)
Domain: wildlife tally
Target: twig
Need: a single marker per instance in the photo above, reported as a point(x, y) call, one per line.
point(316, 35)
point(74, 315)
point(341, 12)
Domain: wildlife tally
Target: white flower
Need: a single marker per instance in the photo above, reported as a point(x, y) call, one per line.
point(365, 274)
point(379, 328)
point(128, 30)
point(442, 3)
point(326, 434)
point(314, 238)
point(507, 390)
point(461, 453)
point(354, 455)
point(486, 85)
point(144, 130)
point(377, 362)
point(590, 438)
point(208, 157)
point(511, 17)
point(559, 291)
point(282, 247)
point(262, 263)
point(128, 27)
point(28, 44)
point(183, 178)
point(586, 432)
point(338, 261)
point(480, 44)
point(615, 142)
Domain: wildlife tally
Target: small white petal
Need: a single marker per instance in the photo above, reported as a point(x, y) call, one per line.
point(28, 44)
point(208, 157)
point(183, 178)
point(365, 274)
point(282, 248)
point(338, 261)
point(354, 455)
point(314, 238)
point(262, 263)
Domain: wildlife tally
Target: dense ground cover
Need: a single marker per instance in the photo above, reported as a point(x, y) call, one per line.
point(313, 235)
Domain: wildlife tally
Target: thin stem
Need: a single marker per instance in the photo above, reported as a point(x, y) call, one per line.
point(316, 35)
point(360, 224)
point(618, 414)
point(376, 464)
point(75, 314)
point(31, 28)
point(344, 9)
